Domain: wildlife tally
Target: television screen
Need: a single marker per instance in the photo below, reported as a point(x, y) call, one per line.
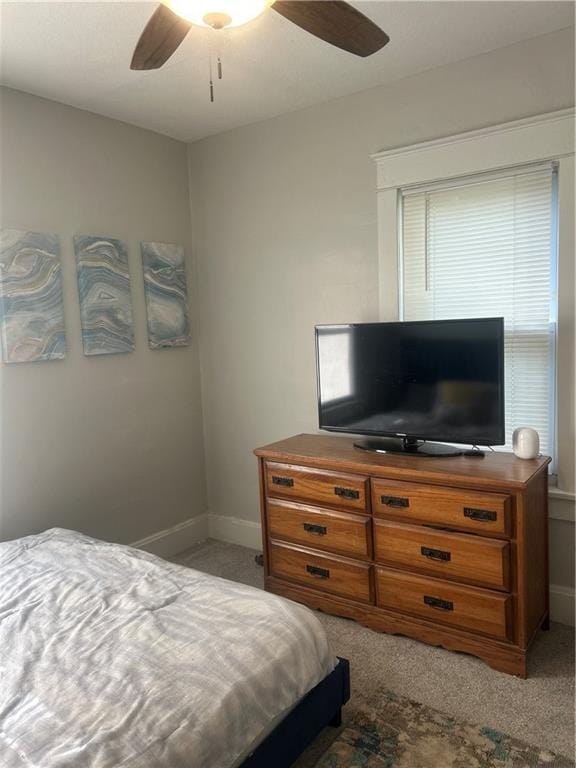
point(428, 380)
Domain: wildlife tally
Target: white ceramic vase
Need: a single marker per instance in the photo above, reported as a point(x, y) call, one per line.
point(526, 443)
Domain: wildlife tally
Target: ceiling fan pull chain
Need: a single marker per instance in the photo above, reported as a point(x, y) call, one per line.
point(210, 74)
point(218, 41)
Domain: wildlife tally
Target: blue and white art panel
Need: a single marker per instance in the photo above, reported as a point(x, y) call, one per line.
point(105, 299)
point(166, 295)
point(31, 304)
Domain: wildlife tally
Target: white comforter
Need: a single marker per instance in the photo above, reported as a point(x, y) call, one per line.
point(112, 657)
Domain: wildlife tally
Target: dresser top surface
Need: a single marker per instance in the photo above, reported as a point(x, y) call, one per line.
point(497, 469)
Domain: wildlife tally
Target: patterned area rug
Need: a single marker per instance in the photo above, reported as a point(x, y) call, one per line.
point(390, 731)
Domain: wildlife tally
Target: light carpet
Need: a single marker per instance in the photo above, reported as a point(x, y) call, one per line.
point(539, 710)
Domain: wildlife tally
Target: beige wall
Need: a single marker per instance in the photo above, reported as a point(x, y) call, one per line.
point(285, 234)
point(112, 445)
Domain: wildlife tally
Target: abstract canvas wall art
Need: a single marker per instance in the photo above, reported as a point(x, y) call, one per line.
point(31, 305)
point(105, 299)
point(166, 295)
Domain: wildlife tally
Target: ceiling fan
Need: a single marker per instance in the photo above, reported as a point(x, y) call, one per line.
point(333, 21)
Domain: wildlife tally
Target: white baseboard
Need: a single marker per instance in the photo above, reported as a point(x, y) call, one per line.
point(248, 534)
point(562, 604)
point(173, 540)
point(234, 530)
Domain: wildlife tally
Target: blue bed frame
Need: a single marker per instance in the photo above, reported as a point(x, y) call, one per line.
point(319, 708)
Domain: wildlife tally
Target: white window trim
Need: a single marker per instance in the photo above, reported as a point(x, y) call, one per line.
point(510, 145)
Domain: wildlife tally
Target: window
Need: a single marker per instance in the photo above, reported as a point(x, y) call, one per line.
point(485, 246)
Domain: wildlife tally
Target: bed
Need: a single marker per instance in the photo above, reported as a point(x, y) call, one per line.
point(110, 656)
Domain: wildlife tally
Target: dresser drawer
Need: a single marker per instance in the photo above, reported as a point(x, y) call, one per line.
point(442, 602)
point(342, 532)
point(484, 513)
point(337, 576)
point(317, 486)
point(455, 556)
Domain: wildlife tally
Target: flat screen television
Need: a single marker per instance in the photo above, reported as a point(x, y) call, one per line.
point(412, 383)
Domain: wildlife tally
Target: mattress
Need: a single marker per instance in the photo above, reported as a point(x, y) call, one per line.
point(110, 656)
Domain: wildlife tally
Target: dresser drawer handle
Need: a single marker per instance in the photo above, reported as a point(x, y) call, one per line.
point(319, 530)
point(435, 554)
point(319, 573)
point(485, 515)
point(288, 482)
point(436, 602)
point(346, 493)
point(394, 501)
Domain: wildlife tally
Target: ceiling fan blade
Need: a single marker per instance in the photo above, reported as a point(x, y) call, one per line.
point(336, 22)
point(160, 38)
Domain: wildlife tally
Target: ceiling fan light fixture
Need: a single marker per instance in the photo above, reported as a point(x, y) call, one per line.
point(218, 14)
point(334, 21)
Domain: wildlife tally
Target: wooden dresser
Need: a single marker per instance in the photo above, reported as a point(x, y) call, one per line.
point(450, 551)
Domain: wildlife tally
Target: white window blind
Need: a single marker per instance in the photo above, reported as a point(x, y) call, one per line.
point(486, 247)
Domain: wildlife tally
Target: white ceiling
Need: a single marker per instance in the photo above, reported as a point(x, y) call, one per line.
point(79, 53)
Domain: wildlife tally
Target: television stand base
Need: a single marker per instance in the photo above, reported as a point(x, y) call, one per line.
point(406, 446)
